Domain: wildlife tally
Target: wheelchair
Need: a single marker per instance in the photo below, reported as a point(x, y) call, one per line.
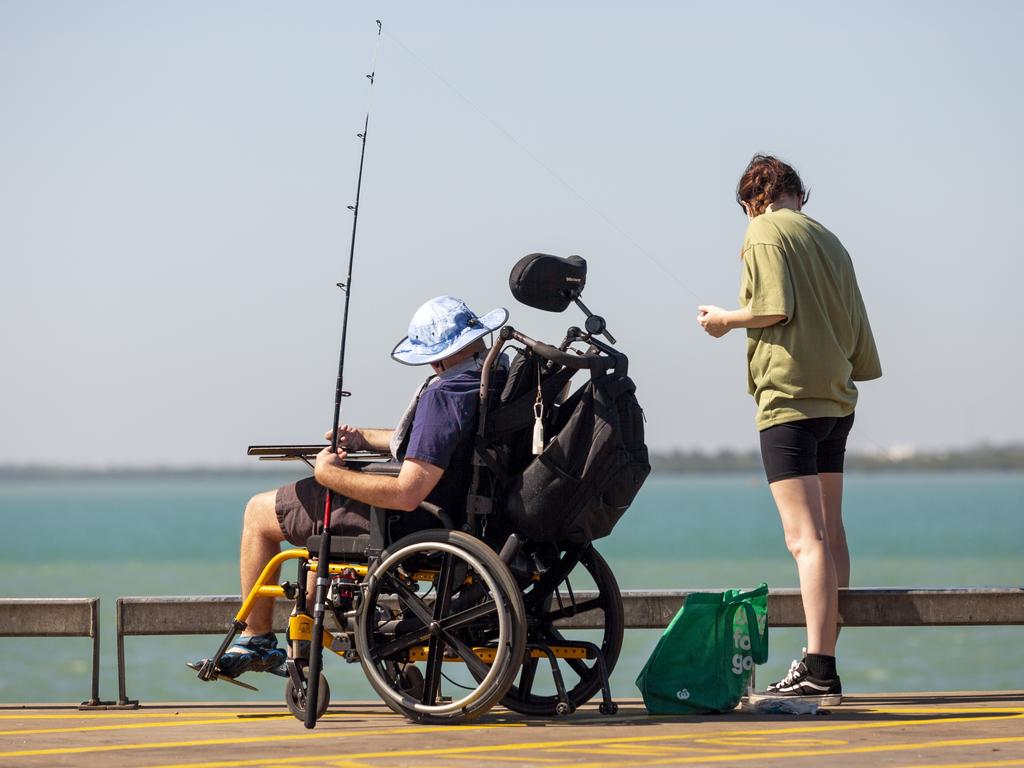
point(449, 621)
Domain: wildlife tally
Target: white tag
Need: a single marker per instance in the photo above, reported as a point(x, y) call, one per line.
point(538, 437)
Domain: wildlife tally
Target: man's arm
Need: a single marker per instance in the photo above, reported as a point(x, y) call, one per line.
point(718, 322)
point(414, 482)
point(364, 439)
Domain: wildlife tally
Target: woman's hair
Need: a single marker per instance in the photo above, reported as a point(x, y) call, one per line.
point(765, 180)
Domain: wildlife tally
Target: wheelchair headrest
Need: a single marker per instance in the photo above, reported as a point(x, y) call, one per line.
point(548, 282)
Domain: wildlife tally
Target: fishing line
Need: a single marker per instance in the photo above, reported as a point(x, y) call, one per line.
point(561, 180)
point(548, 169)
point(346, 285)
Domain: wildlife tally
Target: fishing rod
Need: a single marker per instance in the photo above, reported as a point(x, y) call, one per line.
point(323, 559)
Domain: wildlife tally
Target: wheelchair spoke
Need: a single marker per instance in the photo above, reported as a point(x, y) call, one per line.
point(466, 653)
point(409, 599)
point(435, 650)
point(399, 644)
point(568, 610)
point(421, 633)
point(528, 674)
point(548, 583)
point(469, 615)
point(432, 678)
point(444, 588)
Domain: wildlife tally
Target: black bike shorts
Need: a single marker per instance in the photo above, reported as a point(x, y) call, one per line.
point(805, 447)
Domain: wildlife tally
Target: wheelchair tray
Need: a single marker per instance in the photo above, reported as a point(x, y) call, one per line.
point(309, 452)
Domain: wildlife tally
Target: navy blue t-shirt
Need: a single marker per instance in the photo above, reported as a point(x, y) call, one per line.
point(445, 416)
point(442, 433)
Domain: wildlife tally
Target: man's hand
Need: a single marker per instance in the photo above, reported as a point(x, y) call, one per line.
point(349, 438)
point(326, 461)
point(713, 320)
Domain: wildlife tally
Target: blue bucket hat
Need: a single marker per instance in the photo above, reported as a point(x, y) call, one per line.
point(442, 327)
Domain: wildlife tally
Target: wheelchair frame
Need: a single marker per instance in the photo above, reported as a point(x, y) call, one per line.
point(493, 610)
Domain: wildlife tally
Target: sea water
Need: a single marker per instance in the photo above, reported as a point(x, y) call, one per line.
point(178, 535)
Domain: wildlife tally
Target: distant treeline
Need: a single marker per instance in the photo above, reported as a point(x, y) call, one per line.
point(53, 472)
point(979, 458)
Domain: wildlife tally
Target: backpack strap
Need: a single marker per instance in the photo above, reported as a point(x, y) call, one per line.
point(518, 414)
point(487, 455)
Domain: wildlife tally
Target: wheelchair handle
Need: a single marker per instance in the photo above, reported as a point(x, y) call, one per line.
point(612, 359)
point(555, 355)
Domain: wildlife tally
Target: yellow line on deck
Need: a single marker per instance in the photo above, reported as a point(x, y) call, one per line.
point(946, 710)
point(777, 755)
point(540, 745)
point(226, 718)
point(126, 726)
point(984, 764)
point(297, 736)
point(133, 714)
point(271, 714)
point(532, 760)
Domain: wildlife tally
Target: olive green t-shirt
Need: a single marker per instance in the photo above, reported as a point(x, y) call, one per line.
point(803, 367)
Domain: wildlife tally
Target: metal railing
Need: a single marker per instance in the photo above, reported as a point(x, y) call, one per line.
point(57, 617)
point(643, 609)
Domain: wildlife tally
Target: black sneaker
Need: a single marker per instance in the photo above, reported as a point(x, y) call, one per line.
point(251, 653)
point(799, 683)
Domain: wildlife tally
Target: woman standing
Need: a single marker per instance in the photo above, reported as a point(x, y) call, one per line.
point(808, 340)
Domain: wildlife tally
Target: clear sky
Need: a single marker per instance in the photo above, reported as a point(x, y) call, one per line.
point(174, 179)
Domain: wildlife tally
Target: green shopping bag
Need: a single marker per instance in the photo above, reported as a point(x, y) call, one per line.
point(704, 659)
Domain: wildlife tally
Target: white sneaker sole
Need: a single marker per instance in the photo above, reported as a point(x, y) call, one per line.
point(823, 700)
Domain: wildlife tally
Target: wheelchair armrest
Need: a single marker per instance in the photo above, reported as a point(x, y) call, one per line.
point(439, 513)
point(390, 468)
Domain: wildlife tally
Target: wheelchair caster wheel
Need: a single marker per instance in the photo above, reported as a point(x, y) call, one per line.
point(296, 700)
point(563, 708)
point(608, 708)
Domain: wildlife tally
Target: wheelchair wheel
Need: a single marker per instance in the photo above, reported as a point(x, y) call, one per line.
point(445, 599)
point(552, 598)
point(296, 700)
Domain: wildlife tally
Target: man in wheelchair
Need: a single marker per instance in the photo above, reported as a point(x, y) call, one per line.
point(433, 443)
point(522, 472)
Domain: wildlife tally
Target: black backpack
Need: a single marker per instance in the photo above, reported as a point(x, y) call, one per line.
point(588, 473)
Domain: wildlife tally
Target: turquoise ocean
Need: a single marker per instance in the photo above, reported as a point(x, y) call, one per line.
point(109, 536)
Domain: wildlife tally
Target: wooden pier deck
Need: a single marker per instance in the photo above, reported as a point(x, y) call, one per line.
point(961, 730)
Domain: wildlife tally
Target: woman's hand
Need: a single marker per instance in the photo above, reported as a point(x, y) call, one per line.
point(349, 438)
point(713, 320)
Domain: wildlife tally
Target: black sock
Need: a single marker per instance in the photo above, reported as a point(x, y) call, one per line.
point(821, 667)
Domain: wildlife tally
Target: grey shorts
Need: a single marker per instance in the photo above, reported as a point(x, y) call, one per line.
point(300, 512)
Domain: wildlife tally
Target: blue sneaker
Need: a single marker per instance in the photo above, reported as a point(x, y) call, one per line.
point(252, 653)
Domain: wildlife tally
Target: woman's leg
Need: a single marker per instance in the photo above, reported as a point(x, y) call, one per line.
point(800, 503)
point(832, 510)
